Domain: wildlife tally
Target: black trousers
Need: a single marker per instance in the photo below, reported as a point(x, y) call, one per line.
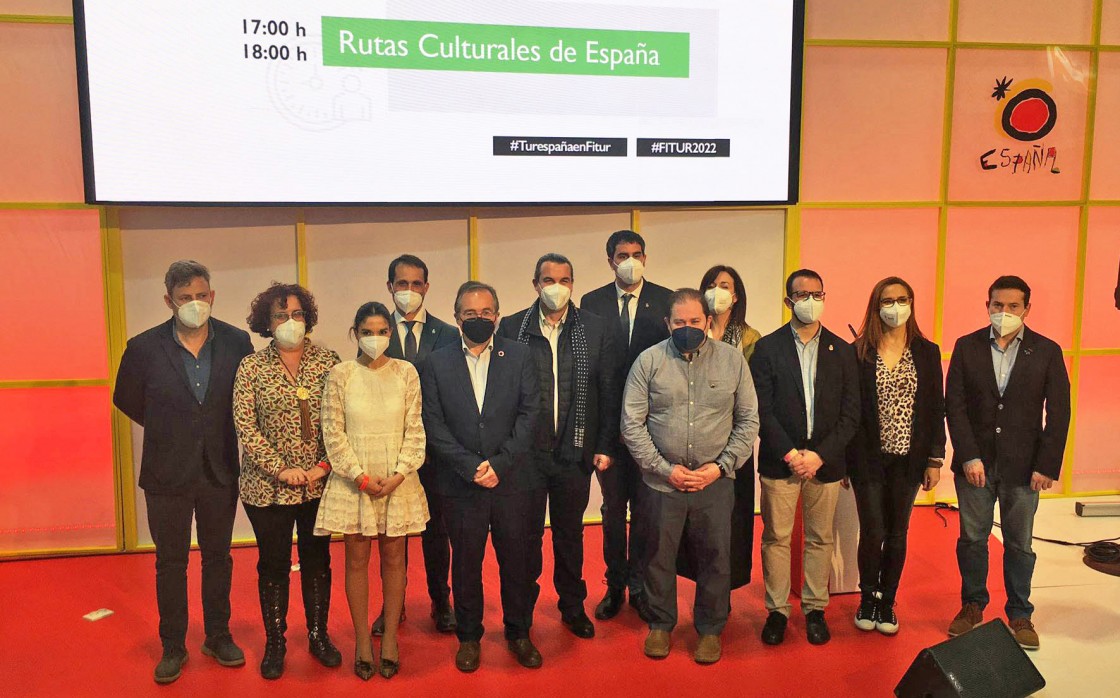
point(273, 525)
point(471, 517)
point(622, 487)
point(434, 541)
point(567, 488)
point(213, 507)
point(884, 509)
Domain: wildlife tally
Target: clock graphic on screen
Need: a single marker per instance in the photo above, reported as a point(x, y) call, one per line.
point(317, 98)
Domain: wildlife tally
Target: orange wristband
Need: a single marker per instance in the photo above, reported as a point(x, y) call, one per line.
point(324, 465)
point(365, 483)
point(787, 457)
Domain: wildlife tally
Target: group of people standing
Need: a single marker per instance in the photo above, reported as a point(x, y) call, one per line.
point(482, 428)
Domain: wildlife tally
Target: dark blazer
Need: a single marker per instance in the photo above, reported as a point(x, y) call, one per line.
point(604, 393)
point(782, 407)
point(153, 390)
point(927, 429)
point(649, 318)
point(460, 439)
point(1007, 432)
point(436, 334)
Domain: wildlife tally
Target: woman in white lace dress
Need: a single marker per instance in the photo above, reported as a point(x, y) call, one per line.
point(375, 439)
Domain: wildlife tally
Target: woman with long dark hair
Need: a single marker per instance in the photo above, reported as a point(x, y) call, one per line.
point(375, 437)
point(900, 445)
point(726, 297)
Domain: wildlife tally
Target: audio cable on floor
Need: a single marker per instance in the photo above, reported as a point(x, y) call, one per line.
point(1105, 550)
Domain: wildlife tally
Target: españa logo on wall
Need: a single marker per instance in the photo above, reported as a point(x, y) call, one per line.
point(1026, 113)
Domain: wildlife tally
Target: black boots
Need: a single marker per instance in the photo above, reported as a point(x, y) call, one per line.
point(316, 605)
point(274, 611)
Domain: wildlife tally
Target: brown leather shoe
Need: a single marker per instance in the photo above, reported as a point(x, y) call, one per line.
point(468, 656)
point(707, 650)
point(657, 644)
point(1024, 632)
point(527, 654)
point(968, 618)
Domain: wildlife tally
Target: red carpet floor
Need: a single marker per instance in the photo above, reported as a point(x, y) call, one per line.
point(47, 649)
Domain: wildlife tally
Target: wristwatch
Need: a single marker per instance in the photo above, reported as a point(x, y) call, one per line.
point(722, 469)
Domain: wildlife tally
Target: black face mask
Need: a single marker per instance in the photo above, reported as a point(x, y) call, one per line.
point(478, 329)
point(688, 339)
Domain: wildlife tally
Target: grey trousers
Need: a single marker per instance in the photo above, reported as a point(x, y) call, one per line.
point(708, 513)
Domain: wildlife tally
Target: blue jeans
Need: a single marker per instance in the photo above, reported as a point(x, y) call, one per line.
point(1017, 505)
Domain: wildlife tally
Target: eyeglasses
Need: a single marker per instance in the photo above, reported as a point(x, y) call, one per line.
point(283, 317)
point(888, 302)
point(804, 295)
point(486, 314)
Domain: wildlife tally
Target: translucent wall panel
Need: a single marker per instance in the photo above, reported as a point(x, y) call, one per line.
point(872, 123)
point(1038, 244)
point(1110, 22)
point(60, 492)
point(511, 240)
point(51, 266)
point(910, 20)
point(1100, 324)
point(39, 138)
point(1026, 21)
point(1105, 183)
point(245, 249)
point(348, 255)
point(62, 8)
point(1095, 466)
point(989, 164)
point(854, 249)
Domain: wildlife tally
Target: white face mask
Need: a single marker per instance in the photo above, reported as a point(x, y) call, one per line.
point(194, 314)
point(809, 310)
point(719, 300)
point(895, 315)
point(1005, 323)
point(630, 271)
point(374, 346)
point(290, 334)
point(407, 301)
point(555, 296)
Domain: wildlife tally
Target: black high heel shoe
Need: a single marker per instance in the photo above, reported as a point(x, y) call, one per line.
point(362, 669)
point(389, 668)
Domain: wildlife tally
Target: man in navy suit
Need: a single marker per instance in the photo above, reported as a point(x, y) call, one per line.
point(638, 309)
point(481, 402)
point(1002, 380)
point(807, 381)
point(416, 335)
point(577, 434)
point(176, 381)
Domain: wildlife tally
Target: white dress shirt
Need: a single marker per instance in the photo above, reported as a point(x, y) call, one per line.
point(479, 369)
point(637, 293)
point(552, 334)
point(417, 329)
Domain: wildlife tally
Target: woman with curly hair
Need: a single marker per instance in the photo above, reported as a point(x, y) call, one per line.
point(277, 397)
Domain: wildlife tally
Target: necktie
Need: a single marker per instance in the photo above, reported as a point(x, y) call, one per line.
point(624, 318)
point(409, 341)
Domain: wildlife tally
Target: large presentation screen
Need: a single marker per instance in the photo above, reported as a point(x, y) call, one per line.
point(440, 101)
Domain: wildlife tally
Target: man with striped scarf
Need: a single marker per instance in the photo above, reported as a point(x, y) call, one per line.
point(577, 432)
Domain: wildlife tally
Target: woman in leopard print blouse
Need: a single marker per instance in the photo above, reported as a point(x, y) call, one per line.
point(900, 445)
point(276, 402)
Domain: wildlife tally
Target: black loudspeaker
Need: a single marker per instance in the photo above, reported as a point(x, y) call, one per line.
point(985, 662)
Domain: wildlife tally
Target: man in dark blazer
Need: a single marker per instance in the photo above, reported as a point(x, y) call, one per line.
point(416, 334)
point(577, 433)
point(176, 381)
point(639, 308)
point(481, 402)
point(808, 403)
point(1008, 406)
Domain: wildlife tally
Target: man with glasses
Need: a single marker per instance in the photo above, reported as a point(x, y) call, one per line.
point(176, 381)
point(481, 403)
point(808, 401)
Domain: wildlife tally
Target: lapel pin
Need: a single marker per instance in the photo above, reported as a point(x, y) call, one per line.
point(501, 353)
point(830, 347)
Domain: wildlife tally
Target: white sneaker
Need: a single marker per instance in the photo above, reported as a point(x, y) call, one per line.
point(885, 620)
point(865, 614)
